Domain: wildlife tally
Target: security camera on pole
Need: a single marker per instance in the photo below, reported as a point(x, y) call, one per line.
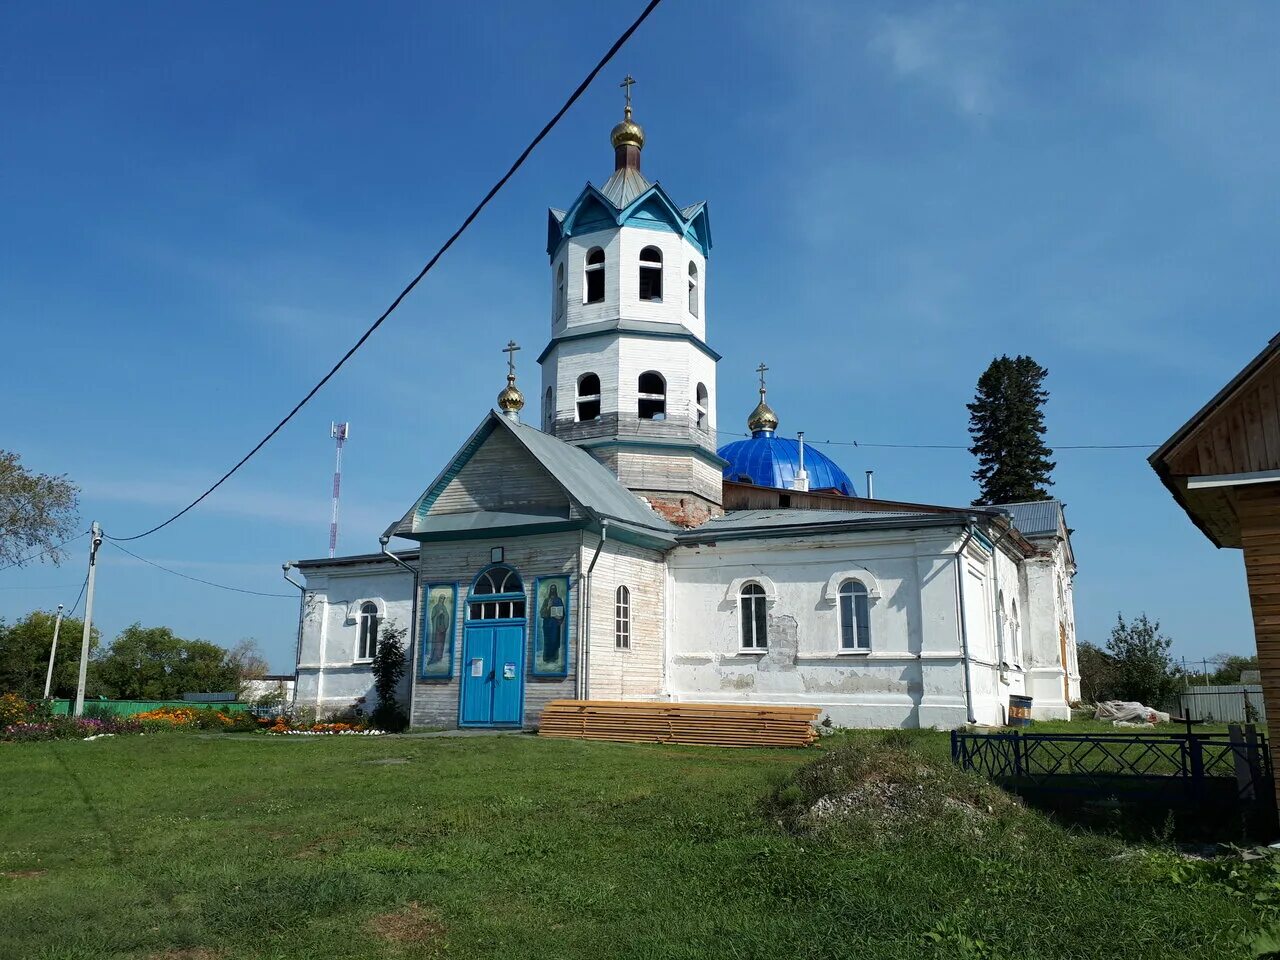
point(88, 617)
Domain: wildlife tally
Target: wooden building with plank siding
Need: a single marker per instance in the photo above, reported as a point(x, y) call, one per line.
point(1223, 468)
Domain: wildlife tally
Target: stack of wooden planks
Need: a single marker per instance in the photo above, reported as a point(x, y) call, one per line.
point(713, 724)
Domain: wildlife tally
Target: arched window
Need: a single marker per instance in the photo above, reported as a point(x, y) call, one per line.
point(549, 410)
point(497, 594)
point(622, 619)
point(588, 397)
point(593, 277)
point(1015, 638)
point(653, 396)
point(651, 274)
point(702, 406)
point(368, 642)
point(560, 297)
point(855, 617)
point(754, 620)
point(693, 288)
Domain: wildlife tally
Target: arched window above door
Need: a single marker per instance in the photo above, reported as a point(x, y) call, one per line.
point(497, 594)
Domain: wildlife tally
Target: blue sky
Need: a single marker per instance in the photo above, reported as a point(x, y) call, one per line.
point(206, 205)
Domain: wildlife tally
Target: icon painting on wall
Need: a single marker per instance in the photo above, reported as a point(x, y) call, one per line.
point(551, 627)
point(435, 660)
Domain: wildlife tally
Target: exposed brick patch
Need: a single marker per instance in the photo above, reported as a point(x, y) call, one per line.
point(683, 511)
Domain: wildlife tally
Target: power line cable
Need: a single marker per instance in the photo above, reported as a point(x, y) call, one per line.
point(72, 611)
point(965, 446)
point(207, 583)
point(57, 546)
point(550, 125)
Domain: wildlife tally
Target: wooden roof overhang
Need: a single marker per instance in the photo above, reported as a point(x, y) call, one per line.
point(1228, 451)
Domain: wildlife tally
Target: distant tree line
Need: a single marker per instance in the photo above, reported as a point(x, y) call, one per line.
point(142, 663)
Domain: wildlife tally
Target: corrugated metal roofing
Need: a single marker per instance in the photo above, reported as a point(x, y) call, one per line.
point(772, 461)
point(1036, 518)
point(624, 187)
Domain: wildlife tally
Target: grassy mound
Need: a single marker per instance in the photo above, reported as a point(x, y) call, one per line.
point(879, 788)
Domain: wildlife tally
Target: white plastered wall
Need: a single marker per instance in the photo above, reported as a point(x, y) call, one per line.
point(330, 677)
point(914, 674)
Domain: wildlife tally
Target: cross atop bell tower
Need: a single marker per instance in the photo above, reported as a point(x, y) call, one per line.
point(627, 84)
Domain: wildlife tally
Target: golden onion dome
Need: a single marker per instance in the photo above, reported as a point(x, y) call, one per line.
point(627, 133)
point(762, 417)
point(510, 400)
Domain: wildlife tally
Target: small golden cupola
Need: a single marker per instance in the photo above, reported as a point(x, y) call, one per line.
point(511, 400)
point(763, 421)
point(628, 136)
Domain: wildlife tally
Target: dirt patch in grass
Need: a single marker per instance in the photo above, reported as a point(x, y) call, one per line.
point(187, 953)
point(411, 924)
point(22, 874)
point(883, 788)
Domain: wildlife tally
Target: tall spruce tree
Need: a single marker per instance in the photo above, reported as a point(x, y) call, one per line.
point(1006, 421)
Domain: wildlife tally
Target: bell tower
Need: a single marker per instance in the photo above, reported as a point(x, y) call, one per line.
point(627, 374)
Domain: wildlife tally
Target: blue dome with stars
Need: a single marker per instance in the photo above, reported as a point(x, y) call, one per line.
point(769, 460)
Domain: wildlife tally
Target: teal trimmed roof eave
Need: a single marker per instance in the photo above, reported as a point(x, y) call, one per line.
point(692, 222)
point(644, 329)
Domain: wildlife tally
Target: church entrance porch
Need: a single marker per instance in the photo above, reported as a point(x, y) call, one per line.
point(493, 646)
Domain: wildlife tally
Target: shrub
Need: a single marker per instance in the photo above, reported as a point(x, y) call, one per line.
point(13, 709)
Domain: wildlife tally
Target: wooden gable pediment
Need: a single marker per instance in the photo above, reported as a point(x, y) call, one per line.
point(493, 482)
point(1233, 442)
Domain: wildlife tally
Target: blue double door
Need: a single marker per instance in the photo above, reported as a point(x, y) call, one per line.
point(492, 674)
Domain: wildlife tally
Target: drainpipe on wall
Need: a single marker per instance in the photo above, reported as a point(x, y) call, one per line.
point(302, 610)
point(413, 618)
point(584, 654)
point(964, 625)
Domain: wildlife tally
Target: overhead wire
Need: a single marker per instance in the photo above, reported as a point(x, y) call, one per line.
point(40, 553)
point(207, 583)
point(519, 162)
point(964, 446)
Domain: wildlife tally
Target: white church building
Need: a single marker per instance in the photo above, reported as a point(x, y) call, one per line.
point(608, 548)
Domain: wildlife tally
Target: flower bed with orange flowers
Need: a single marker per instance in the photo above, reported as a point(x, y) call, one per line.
point(284, 726)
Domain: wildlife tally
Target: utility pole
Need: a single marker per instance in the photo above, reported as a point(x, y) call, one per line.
point(88, 617)
point(53, 650)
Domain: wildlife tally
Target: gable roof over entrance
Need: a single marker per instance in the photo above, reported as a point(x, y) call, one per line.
point(554, 484)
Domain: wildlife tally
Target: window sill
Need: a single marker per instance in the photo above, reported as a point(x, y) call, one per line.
point(853, 653)
point(753, 652)
point(360, 662)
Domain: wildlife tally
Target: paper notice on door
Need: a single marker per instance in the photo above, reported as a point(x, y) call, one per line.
point(477, 667)
point(508, 671)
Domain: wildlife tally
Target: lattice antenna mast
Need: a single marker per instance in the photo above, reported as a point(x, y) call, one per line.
point(339, 432)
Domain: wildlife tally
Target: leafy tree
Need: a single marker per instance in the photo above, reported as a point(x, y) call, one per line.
point(1229, 667)
point(154, 663)
point(388, 670)
point(24, 655)
point(1144, 671)
point(1097, 673)
point(1006, 422)
point(36, 511)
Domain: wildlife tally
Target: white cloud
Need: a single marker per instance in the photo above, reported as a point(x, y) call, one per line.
point(950, 49)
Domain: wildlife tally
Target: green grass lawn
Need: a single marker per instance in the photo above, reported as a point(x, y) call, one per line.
point(188, 847)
